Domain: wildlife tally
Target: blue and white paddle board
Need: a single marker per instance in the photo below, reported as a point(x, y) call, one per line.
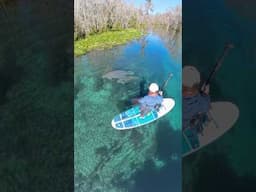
point(222, 116)
point(132, 118)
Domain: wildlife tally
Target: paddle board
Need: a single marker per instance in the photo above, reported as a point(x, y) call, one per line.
point(131, 118)
point(222, 116)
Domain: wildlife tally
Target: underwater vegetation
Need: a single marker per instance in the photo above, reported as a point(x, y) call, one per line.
point(101, 151)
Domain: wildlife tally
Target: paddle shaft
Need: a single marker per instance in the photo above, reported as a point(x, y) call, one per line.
point(166, 81)
point(218, 64)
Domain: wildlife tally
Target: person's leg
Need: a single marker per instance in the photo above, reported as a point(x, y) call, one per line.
point(144, 111)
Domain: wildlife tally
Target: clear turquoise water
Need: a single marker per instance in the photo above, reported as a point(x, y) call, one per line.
point(111, 160)
point(208, 25)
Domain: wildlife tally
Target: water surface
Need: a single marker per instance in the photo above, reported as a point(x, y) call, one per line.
point(142, 159)
point(207, 27)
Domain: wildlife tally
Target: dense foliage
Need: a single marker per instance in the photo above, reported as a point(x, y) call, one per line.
point(96, 16)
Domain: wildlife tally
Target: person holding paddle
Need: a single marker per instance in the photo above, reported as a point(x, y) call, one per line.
point(154, 98)
point(196, 102)
point(196, 99)
point(151, 101)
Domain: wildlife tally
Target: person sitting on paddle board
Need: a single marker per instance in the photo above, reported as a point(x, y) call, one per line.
point(152, 100)
point(195, 103)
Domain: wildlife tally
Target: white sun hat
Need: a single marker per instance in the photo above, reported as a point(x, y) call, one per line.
point(153, 87)
point(190, 76)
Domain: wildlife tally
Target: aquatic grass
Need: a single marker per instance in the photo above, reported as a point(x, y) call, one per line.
point(105, 40)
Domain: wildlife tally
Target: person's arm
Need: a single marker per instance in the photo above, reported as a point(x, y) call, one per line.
point(142, 101)
point(159, 102)
point(205, 98)
point(205, 103)
point(161, 99)
point(206, 89)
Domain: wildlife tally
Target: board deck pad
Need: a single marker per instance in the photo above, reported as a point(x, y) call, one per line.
point(132, 118)
point(222, 116)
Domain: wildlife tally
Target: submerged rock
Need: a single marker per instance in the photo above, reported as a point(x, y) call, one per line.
point(120, 76)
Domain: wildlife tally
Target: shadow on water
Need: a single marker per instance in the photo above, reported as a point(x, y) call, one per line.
point(143, 88)
point(10, 72)
point(167, 140)
point(151, 180)
point(124, 104)
point(99, 84)
point(214, 173)
point(58, 65)
point(143, 43)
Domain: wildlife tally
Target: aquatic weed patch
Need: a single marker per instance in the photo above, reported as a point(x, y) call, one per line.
point(105, 40)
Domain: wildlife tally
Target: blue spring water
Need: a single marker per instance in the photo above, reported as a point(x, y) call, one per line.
point(95, 97)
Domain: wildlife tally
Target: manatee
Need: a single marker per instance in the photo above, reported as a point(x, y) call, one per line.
point(120, 76)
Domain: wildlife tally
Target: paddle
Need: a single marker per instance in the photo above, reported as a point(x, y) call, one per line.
point(166, 82)
point(217, 65)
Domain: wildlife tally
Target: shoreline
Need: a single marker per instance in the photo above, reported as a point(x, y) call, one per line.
point(105, 40)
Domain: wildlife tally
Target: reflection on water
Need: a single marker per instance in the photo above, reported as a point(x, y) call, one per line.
point(111, 160)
